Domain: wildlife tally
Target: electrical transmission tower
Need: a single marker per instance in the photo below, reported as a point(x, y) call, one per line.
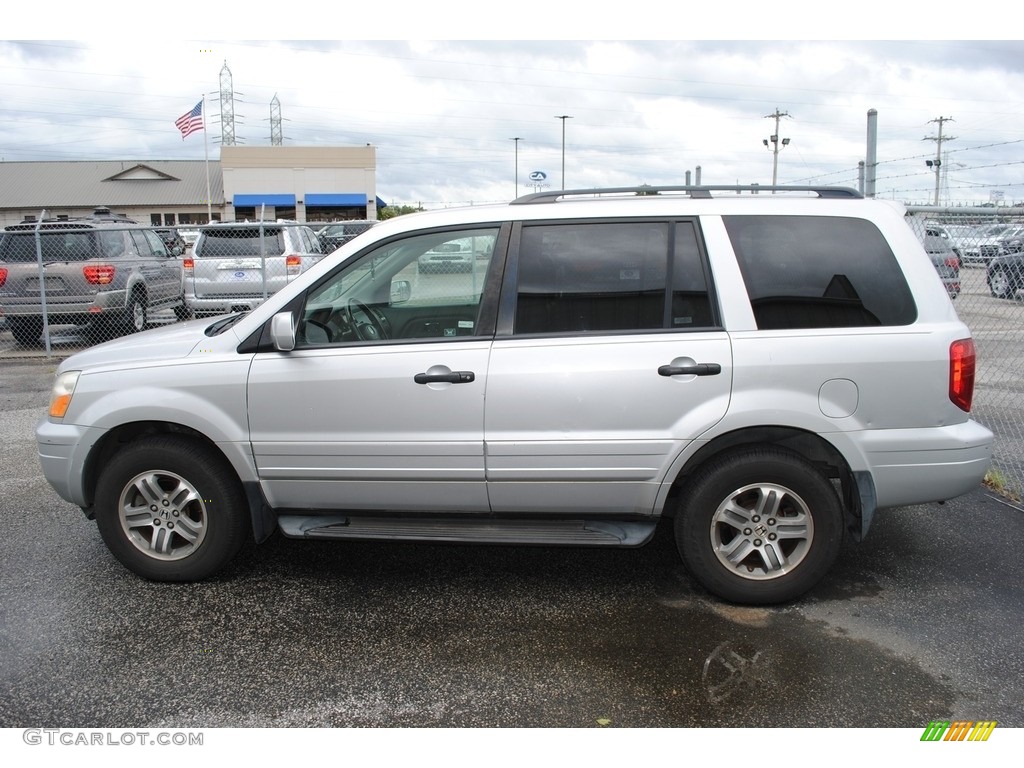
point(227, 108)
point(276, 138)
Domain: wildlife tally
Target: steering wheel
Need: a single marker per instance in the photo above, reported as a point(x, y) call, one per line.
point(366, 324)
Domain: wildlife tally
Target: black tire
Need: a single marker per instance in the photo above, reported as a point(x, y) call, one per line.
point(27, 331)
point(183, 312)
point(999, 284)
point(171, 509)
point(759, 526)
point(136, 317)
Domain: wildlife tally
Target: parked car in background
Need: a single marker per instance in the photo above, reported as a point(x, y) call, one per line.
point(985, 245)
point(1011, 241)
point(1005, 276)
point(234, 267)
point(335, 235)
point(189, 236)
point(104, 274)
point(940, 249)
point(453, 256)
point(173, 240)
point(946, 261)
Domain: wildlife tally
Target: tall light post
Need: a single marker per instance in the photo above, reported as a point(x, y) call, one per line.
point(937, 162)
point(563, 118)
point(774, 147)
point(517, 139)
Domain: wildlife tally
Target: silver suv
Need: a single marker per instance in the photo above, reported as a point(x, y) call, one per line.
point(106, 273)
point(236, 266)
point(763, 373)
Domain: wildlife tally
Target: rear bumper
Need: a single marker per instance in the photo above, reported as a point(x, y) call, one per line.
point(917, 466)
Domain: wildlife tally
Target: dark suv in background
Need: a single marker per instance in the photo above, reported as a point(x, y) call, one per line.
point(103, 273)
point(335, 235)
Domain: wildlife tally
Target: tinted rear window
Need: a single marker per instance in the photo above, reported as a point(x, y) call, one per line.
point(56, 246)
point(240, 242)
point(819, 272)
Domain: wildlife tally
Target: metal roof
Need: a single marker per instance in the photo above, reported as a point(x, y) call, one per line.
point(85, 184)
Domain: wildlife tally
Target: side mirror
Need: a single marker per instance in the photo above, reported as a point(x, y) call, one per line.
point(282, 331)
point(401, 291)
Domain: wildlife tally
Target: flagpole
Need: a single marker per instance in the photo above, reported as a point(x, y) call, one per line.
point(206, 153)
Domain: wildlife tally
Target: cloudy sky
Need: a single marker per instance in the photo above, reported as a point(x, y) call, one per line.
point(443, 112)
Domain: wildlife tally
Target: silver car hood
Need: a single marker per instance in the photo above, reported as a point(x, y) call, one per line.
point(168, 343)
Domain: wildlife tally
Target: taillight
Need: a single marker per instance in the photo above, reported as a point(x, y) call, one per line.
point(188, 265)
point(99, 274)
point(954, 262)
point(962, 363)
point(293, 264)
point(3, 276)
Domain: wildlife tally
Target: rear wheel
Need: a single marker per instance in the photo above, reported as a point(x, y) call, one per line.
point(759, 526)
point(135, 317)
point(27, 331)
point(171, 509)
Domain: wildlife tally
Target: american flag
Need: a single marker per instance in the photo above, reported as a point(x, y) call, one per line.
point(191, 120)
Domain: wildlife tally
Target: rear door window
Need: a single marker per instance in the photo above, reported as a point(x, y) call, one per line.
point(587, 277)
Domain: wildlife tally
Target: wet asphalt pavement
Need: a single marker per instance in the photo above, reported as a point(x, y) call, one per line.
point(921, 622)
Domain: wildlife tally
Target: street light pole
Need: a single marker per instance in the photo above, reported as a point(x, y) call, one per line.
point(775, 145)
point(937, 162)
point(563, 118)
point(517, 139)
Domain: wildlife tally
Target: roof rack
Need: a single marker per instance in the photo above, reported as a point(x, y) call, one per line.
point(697, 192)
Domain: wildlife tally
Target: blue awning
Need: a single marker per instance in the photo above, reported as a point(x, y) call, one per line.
point(254, 200)
point(350, 200)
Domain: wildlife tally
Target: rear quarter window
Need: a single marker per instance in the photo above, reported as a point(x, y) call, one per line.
point(819, 272)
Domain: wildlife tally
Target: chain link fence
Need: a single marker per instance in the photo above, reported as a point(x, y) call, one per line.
point(988, 244)
point(69, 284)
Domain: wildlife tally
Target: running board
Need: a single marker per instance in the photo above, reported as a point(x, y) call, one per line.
point(590, 533)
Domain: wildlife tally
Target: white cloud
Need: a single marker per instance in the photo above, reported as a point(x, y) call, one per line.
point(442, 113)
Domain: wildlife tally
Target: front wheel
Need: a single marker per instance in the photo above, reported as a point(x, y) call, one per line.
point(171, 509)
point(759, 526)
point(1000, 285)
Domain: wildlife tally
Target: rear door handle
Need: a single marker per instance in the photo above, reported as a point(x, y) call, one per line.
point(455, 377)
point(697, 369)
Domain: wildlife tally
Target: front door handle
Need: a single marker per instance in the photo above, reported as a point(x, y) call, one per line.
point(455, 377)
point(697, 369)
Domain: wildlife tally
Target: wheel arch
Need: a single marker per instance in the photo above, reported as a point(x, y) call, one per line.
point(264, 521)
point(855, 491)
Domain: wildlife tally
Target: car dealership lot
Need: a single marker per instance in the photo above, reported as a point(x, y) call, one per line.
point(920, 622)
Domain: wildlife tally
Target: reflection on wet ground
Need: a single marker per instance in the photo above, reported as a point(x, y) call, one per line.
point(367, 634)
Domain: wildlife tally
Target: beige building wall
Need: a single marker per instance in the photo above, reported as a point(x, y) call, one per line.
point(299, 171)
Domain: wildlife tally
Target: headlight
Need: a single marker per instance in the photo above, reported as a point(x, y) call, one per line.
point(63, 390)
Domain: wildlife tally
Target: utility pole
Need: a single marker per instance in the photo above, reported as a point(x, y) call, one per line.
point(563, 118)
point(937, 162)
point(774, 147)
point(517, 139)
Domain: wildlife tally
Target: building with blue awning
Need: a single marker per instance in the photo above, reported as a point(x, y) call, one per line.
point(306, 184)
